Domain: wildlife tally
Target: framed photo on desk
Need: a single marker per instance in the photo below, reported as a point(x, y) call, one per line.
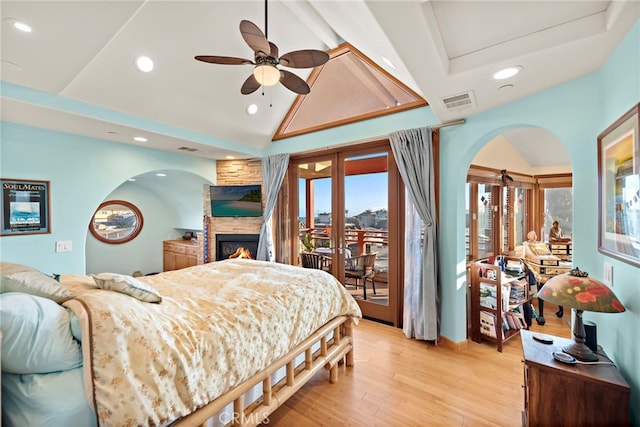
point(619, 188)
point(24, 207)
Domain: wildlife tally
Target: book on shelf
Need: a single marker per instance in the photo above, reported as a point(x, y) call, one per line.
point(518, 293)
point(514, 320)
point(489, 296)
point(488, 324)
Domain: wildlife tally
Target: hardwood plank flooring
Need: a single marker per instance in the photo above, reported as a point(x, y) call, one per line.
point(398, 381)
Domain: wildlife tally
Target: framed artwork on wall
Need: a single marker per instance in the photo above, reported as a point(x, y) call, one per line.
point(619, 188)
point(24, 207)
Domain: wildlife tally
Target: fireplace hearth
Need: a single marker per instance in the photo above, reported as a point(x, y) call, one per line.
point(228, 245)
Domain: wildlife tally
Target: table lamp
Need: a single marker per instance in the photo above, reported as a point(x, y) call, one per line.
point(577, 290)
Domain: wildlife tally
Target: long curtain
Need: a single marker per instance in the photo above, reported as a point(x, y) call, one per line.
point(273, 170)
point(413, 151)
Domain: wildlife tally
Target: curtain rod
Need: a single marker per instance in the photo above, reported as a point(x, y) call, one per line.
point(442, 125)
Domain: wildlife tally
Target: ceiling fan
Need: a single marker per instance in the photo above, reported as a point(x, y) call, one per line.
point(505, 177)
point(266, 61)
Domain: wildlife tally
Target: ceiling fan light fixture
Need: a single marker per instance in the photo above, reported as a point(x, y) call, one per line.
point(266, 74)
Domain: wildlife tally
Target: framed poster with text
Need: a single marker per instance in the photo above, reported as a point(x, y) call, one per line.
point(24, 207)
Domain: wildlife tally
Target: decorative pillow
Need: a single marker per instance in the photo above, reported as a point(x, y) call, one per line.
point(7, 268)
point(36, 336)
point(127, 285)
point(22, 278)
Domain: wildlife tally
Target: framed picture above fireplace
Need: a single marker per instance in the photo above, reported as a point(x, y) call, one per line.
point(236, 200)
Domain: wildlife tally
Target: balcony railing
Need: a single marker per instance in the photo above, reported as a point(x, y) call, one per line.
point(360, 240)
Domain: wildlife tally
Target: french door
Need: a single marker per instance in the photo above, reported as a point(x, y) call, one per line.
point(346, 203)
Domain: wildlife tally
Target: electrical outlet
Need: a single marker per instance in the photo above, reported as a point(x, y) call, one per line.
point(608, 274)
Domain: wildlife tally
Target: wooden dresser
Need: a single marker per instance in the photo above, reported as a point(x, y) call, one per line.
point(177, 254)
point(558, 394)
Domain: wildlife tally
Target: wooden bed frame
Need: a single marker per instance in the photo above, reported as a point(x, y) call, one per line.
point(332, 351)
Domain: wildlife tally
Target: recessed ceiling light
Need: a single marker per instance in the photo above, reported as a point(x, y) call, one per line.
point(144, 63)
point(505, 87)
point(252, 109)
point(229, 157)
point(131, 179)
point(388, 62)
point(19, 25)
point(140, 139)
point(161, 174)
point(505, 73)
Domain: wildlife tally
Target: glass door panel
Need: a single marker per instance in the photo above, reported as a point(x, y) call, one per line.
point(366, 230)
point(348, 207)
point(484, 236)
point(315, 209)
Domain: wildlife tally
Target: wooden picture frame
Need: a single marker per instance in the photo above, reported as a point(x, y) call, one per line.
point(24, 207)
point(619, 188)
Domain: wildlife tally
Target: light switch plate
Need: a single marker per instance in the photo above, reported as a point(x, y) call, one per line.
point(63, 246)
point(608, 274)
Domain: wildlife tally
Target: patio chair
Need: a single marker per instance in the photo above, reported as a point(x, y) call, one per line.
point(313, 260)
point(361, 268)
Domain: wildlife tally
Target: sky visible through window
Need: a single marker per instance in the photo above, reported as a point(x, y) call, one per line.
point(362, 192)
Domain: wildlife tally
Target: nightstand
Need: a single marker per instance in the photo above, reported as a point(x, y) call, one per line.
point(559, 394)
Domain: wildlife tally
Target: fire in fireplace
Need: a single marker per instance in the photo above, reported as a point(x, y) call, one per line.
point(231, 246)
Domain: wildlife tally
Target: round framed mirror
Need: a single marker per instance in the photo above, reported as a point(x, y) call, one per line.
point(116, 222)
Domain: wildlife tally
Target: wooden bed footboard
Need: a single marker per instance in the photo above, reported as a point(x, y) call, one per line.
point(332, 351)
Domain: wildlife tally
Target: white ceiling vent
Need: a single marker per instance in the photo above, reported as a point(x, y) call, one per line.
point(191, 150)
point(461, 100)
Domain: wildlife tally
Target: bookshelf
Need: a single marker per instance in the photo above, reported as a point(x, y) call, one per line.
point(497, 302)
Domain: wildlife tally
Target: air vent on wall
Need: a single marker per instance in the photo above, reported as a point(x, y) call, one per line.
point(191, 150)
point(461, 100)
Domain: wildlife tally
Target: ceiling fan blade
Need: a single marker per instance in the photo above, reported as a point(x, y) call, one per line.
point(308, 58)
point(250, 85)
point(294, 83)
point(254, 37)
point(274, 50)
point(224, 60)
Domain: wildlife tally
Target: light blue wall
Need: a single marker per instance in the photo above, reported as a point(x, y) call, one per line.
point(82, 172)
point(576, 112)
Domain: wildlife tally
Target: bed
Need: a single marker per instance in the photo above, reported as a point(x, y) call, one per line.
point(225, 342)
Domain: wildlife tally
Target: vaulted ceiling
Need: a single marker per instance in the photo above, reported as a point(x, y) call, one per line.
point(75, 71)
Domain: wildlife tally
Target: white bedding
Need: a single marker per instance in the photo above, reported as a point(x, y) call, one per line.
point(217, 325)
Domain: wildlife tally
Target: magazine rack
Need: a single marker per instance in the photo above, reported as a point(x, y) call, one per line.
point(497, 303)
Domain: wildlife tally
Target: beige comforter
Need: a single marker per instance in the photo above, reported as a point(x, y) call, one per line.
point(217, 325)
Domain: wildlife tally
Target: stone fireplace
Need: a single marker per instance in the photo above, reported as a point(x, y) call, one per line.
point(228, 245)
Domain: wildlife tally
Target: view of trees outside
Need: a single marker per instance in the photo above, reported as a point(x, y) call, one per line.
point(558, 206)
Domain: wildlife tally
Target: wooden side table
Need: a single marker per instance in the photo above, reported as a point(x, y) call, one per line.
point(559, 394)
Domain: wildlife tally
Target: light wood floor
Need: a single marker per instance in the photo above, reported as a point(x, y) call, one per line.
point(402, 382)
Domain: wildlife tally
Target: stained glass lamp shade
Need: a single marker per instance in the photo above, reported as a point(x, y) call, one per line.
point(582, 293)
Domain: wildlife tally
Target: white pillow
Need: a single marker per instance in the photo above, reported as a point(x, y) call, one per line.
point(22, 278)
point(36, 335)
point(127, 285)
